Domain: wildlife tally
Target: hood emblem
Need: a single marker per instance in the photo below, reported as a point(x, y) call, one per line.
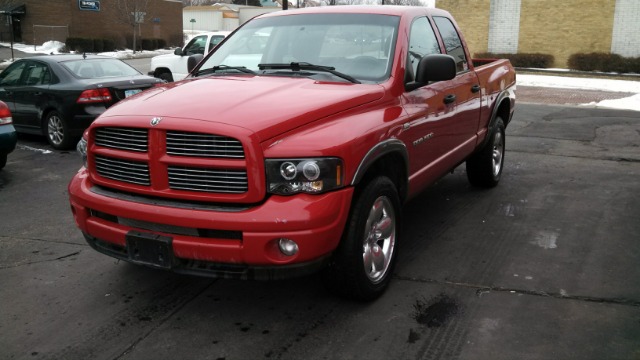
point(155, 121)
point(132, 82)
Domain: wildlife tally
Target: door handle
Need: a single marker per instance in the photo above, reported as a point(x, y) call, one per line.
point(475, 88)
point(449, 99)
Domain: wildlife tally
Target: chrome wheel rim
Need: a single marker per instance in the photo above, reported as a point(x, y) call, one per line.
point(498, 151)
point(379, 239)
point(55, 129)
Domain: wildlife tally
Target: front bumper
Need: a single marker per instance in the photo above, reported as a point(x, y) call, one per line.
point(214, 240)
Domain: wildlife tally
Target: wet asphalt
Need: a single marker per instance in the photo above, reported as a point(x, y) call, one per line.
point(544, 266)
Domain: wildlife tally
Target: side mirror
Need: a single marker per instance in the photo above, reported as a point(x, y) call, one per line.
point(178, 51)
point(434, 67)
point(193, 60)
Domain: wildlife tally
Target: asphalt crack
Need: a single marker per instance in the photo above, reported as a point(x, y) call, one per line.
point(2, 267)
point(482, 289)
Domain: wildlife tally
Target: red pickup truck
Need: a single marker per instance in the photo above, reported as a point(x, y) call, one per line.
point(292, 146)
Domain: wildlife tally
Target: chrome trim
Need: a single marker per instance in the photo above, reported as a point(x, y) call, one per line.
point(207, 180)
point(122, 138)
point(203, 145)
point(123, 170)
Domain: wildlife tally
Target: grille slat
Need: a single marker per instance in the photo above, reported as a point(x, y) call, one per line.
point(123, 170)
point(208, 180)
point(123, 138)
point(203, 145)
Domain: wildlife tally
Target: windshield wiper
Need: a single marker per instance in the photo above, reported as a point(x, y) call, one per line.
point(210, 70)
point(297, 66)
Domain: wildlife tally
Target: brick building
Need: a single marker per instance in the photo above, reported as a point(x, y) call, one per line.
point(38, 21)
point(559, 28)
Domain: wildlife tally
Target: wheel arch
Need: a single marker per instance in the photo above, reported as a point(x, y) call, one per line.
point(161, 70)
point(503, 107)
point(388, 158)
point(44, 112)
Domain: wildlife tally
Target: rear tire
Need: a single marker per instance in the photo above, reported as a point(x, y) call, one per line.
point(362, 266)
point(484, 168)
point(57, 131)
point(3, 160)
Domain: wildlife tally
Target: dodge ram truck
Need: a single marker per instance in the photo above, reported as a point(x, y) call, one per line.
point(292, 146)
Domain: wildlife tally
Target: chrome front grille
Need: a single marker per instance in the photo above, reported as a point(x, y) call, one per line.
point(123, 138)
point(203, 145)
point(132, 172)
point(208, 180)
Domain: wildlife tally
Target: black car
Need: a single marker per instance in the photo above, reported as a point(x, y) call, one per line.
point(60, 95)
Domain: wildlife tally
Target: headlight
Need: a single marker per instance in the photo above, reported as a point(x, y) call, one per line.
point(312, 176)
point(82, 150)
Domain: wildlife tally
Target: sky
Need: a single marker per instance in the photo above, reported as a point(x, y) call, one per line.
point(626, 86)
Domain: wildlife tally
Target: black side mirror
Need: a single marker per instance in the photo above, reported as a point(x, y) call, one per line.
point(178, 51)
point(434, 67)
point(193, 60)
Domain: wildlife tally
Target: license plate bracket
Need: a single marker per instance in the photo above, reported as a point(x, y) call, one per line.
point(150, 249)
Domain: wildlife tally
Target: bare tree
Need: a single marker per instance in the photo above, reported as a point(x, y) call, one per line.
point(132, 13)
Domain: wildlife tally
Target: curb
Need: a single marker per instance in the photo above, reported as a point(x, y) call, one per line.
point(577, 73)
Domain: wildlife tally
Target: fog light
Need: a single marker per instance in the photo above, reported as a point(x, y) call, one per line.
point(288, 247)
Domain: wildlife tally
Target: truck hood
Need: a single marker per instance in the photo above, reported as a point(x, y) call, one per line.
point(265, 105)
point(163, 57)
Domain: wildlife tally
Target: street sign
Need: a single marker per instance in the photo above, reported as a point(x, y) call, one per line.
point(89, 5)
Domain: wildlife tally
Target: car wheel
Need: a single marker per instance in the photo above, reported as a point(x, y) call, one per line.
point(3, 160)
point(484, 168)
point(362, 266)
point(166, 76)
point(57, 131)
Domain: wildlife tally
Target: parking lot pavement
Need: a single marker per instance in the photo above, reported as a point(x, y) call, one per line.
point(544, 266)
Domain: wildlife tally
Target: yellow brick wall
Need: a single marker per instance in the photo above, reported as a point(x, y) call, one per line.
point(562, 28)
point(556, 27)
point(472, 17)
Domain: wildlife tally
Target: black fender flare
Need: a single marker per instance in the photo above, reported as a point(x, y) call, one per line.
point(507, 94)
point(380, 150)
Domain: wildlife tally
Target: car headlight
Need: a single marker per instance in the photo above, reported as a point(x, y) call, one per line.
point(82, 150)
point(312, 176)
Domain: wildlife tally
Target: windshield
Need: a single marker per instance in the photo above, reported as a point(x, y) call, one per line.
point(358, 45)
point(99, 68)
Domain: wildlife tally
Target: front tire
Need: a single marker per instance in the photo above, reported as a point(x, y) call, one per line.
point(57, 131)
point(166, 76)
point(484, 168)
point(3, 160)
point(363, 264)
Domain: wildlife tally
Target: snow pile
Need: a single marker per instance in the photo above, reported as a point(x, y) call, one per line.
point(579, 83)
point(627, 86)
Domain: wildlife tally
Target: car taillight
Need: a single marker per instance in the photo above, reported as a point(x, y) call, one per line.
point(5, 114)
point(94, 96)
